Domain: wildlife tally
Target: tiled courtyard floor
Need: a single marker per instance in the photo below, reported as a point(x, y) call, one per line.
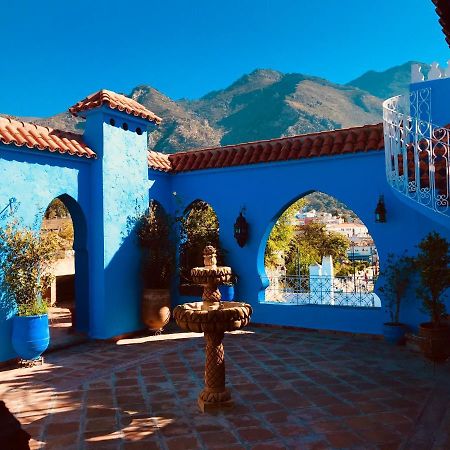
point(292, 389)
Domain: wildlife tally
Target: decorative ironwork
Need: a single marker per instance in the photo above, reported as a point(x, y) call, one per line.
point(417, 152)
point(354, 291)
point(9, 209)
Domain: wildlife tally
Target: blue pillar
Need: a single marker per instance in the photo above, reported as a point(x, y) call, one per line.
point(119, 193)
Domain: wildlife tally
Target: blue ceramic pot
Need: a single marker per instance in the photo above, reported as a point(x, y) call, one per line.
point(394, 332)
point(227, 292)
point(30, 336)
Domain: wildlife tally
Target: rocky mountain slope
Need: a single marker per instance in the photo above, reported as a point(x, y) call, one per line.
point(386, 84)
point(261, 105)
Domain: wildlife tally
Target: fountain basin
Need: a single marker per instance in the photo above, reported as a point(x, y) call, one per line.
point(226, 316)
point(206, 275)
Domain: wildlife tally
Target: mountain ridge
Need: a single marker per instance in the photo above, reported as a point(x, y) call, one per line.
point(263, 104)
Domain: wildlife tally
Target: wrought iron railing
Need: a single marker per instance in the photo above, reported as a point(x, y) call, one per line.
point(321, 290)
point(417, 152)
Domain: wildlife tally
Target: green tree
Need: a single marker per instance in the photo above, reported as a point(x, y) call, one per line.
point(312, 243)
point(281, 238)
point(199, 228)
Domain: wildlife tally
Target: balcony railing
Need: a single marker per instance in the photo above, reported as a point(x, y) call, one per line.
point(417, 152)
point(321, 290)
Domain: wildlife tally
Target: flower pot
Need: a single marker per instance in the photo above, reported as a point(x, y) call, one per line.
point(155, 308)
point(394, 333)
point(30, 336)
point(435, 341)
point(227, 292)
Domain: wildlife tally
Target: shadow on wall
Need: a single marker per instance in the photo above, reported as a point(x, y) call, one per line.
point(122, 287)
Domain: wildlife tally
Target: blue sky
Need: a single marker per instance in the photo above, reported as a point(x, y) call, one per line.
point(54, 53)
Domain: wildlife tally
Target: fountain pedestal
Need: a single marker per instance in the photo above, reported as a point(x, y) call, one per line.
point(213, 318)
point(215, 394)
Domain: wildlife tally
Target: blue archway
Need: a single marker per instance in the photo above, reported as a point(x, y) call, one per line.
point(80, 247)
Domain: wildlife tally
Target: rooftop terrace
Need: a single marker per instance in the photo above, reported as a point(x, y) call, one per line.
point(293, 389)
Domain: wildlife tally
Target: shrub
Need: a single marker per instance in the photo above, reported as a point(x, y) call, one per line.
point(26, 256)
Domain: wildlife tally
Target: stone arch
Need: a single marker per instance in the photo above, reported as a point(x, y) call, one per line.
point(81, 315)
point(361, 258)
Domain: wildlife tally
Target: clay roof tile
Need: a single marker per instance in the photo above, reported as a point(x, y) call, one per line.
point(247, 155)
point(159, 161)
point(307, 149)
point(42, 138)
point(113, 101)
point(338, 144)
point(296, 148)
point(223, 157)
point(356, 139)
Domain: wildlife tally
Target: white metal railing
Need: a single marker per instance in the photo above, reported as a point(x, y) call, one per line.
point(321, 290)
point(417, 152)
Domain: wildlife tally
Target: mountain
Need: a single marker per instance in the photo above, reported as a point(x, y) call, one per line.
point(264, 104)
point(267, 104)
point(181, 128)
point(388, 83)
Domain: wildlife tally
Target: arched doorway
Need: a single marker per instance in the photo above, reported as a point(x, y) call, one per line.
point(199, 228)
point(320, 252)
point(69, 294)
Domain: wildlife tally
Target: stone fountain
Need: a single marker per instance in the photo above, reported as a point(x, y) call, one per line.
point(213, 317)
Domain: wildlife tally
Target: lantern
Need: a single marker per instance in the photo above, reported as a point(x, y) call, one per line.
point(380, 211)
point(241, 230)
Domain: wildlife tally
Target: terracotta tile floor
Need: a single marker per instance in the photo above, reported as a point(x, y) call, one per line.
point(293, 390)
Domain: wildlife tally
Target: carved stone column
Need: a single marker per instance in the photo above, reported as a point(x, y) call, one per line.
point(214, 395)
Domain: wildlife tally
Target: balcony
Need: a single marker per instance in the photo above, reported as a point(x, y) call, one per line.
point(417, 152)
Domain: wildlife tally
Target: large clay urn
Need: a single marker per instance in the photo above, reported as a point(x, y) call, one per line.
point(435, 341)
point(155, 308)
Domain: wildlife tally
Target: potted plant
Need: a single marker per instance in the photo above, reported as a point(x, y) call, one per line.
point(396, 277)
point(26, 256)
point(227, 289)
point(433, 265)
point(158, 265)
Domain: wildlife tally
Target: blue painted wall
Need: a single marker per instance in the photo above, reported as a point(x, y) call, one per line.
point(35, 178)
point(265, 190)
point(439, 100)
point(119, 189)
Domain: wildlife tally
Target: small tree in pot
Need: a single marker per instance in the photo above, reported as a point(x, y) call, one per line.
point(433, 265)
point(158, 265)
point(26, 257)
point(396, 280)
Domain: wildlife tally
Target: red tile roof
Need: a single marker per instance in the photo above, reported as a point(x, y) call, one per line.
point(325, 143)
point(42, 138)
point(443, 11)
point(114, 101)
point(159, 161)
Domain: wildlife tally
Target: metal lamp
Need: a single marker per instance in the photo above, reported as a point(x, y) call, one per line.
point(241, 230)
point(380, 210)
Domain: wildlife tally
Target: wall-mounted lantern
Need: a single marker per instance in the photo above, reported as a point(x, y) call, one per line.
point(241, 230)
point(380, 210)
